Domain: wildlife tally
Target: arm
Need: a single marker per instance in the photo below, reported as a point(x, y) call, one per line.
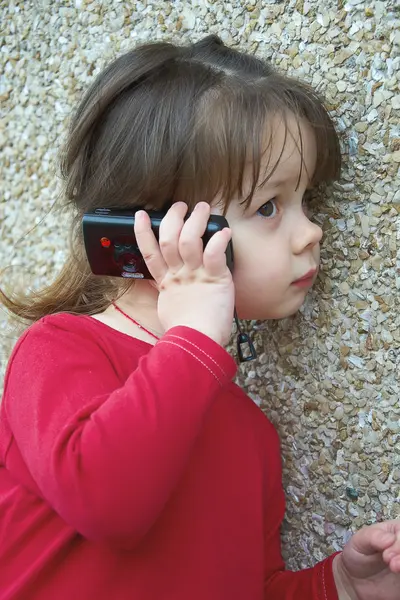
point(107, 457)
point(316, 583)
point(368, 568)
point(343, 586)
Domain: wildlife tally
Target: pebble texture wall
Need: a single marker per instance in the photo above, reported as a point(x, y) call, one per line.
point(329, 377)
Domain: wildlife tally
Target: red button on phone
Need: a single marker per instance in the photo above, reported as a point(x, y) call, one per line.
point(105, 242)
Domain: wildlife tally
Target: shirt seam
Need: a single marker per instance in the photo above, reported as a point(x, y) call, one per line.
point(194, 356)
point(199, 349)
point(323, 581)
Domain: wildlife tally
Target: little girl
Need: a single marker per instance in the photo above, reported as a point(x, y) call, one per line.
point(131, 466)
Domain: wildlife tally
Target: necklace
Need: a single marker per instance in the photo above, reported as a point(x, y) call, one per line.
point(136, 322)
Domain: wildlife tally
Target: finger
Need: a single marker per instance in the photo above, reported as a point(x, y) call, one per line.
point(372, 539)
point(390, 554)
point(148, 246)
point(190, 243)
point(395, 564)
point(170, 229)
point(214, 258)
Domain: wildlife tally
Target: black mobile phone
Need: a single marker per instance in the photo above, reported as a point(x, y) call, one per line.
point(111, 246)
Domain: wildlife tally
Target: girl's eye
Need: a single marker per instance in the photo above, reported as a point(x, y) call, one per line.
point(268, 210)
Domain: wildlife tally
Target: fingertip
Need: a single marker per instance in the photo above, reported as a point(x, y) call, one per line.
point(387, 538)
point(394, 564)
point(139, 217)
point(388, 554)
point(222, 234)
point(180, 205)
point(229, 233)
point(201, 205)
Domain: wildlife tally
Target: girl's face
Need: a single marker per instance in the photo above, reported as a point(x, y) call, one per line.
point(274, 241)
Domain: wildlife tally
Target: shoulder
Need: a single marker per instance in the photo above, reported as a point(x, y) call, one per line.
point(57, 329)
point(62, 326)
point(51, 338)
point(57, 337)
point(74, 348)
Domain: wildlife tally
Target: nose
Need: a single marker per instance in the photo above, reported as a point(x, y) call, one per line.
point(306, 234)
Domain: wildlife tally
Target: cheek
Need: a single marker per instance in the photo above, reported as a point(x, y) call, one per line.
point(259, 273)
point(262, 276)
point(258, 262)
point(260, 279)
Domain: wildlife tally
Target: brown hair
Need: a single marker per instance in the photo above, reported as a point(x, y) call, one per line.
point(166, 123)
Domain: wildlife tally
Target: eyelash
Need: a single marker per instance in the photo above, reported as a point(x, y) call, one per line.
point(305, 201)
point(273, 200)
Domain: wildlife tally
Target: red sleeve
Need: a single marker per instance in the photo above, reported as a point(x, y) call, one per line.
point(316, 583)
point(107, 457)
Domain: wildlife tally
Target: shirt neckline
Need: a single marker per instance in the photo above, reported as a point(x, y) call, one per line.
point(116, 331)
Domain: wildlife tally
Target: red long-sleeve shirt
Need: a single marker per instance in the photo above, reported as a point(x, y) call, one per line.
point(138, 472)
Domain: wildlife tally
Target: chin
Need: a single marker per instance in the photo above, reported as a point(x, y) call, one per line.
point(272, 313)
point(270, 316)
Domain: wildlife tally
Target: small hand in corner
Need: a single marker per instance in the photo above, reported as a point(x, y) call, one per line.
point(369, 566)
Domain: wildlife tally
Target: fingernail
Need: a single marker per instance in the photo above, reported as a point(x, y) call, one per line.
point(199, 204)
point(390, 555)
point(388, 537)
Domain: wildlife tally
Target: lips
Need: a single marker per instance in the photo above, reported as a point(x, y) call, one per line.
point(307, 276)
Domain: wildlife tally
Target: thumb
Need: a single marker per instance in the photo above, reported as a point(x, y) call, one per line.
point(372, 539)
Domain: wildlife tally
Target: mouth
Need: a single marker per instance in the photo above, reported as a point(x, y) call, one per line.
point(307, 279)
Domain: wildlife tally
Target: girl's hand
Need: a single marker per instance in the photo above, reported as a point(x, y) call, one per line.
point(196, 287)
point(369, 566)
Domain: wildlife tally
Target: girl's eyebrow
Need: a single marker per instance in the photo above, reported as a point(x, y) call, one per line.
point(279, 182)
point(271, 183)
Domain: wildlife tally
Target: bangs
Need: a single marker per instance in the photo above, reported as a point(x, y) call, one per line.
point(229, 136)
